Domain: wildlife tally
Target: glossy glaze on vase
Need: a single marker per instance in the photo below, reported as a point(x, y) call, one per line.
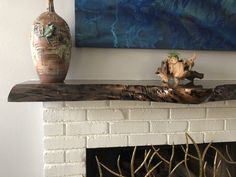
point(51, 46)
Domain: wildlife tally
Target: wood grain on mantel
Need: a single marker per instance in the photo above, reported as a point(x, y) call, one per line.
point(86, 90)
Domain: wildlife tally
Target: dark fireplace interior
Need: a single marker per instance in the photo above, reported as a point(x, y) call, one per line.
point(216, 160)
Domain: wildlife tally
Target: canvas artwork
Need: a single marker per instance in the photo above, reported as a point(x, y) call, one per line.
point(161, 24)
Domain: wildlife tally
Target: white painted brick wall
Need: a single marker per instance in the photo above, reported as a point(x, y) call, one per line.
point(63, 142)
point(149, 114)
point(75, 155)
point(180, 138)
point(86, 128)
point(188, 113)
point(129, 127)
point(169, 126)
point(105, 114)
point(87, 104)
point(206, 125)
point(224, 136)
point(221, 113)
point(71, 127)
point(231, 124)
point(107, 141)
point(53, 129)
point(67, 169)
point(129, 104)
point(54, 157)
point(63, 114)
point(147, 139)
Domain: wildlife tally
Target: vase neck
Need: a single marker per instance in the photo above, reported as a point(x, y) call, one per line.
point(51, 6)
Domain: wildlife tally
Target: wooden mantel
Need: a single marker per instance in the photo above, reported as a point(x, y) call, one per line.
point(87, 90)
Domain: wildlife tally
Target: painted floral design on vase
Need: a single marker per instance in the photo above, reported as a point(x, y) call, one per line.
point(51, 46)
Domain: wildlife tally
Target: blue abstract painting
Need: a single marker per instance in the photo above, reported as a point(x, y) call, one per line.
point(162, 24)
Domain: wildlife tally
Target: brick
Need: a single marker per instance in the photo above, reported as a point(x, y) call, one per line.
point(129, 104)
point(53, 157)
point(58, 115)
point(107, 141)
point(187, 106)
point(64, 169)
point(129, 127)
point(189, 113)
point(84, 128)
point(206, 125)
point(226, 136)
point(56, 104)
point(231, 103)
point(208, 104)
point(221, 113)
point(180, 138)
point(87, 104)
point(78, 155)
point(168, 105)
point(214, 104)
point(149, 114)
point(53, 129)
point(147, 139)
point(169, 126)
point(231, 124)
point(105, 114)
point(63, 143)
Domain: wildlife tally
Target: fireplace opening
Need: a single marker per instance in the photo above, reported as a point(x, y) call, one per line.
point(193, 160)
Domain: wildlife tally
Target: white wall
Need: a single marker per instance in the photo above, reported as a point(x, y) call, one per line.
point(21, 123)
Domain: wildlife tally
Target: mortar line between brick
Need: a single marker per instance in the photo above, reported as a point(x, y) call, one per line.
point(169, 113)
point(168, 138)
point(108, 103)
point(129, 114)
point(128, 140)
point(149, 128)
point(64, 129)
point(207, 113)
point(86, 114)
point(109, 128)
point(189, 124)
point(225, 125)
point(64, 160)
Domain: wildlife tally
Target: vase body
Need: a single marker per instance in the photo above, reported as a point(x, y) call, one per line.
point(51, 46)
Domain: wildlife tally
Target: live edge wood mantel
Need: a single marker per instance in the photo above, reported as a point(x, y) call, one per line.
point(86, 90)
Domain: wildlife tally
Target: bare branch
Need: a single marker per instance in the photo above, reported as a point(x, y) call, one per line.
point(204, 169)
point(150, 160)
point(141, 165)
point(186, 157)
point(199, 155)
point(111, 171)
point(132, 162)
point(118, 165)
point(214, 165)
point(162, 158)
point(205, 151)
point(150, 171)
point(222, 156)
point(193, 157)
point(227, 152)
point(176, 166)
point(228, 172)
point(99, 167)
point(171, 158)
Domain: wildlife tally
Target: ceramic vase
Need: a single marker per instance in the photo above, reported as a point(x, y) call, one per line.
point(51, 46)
